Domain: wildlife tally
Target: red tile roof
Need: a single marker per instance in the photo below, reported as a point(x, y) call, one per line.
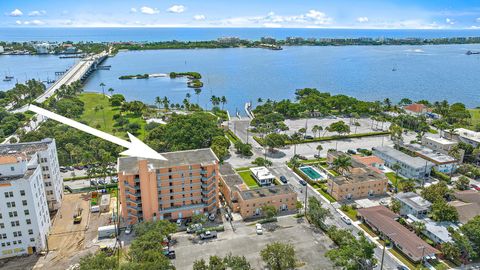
point(416, 107)
point(384, 220)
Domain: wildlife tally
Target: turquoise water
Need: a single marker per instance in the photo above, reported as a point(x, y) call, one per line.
point(189, 34)
point(311, 173)
point(422, 72)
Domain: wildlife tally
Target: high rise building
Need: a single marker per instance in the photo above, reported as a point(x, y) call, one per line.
point(24, 212)
point(45, 154)
point(179, 187)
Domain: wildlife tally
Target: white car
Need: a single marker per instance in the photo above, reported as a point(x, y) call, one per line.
point(258, 228)
point(347, 220)
point(128, 230)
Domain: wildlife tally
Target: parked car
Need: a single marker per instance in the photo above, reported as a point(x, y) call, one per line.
point(477, 188)
point(101, 182)
point(227, 217)
point(171, 255)
point(308, 137)
point(208, 235)
point(347, 220)
point(302, 157)
point(401, 267)
point(194, 228)
point(316, 156)
point(303, 183)
point(128, 230)
point(283, 179)
point(351, 151)
point(78, 167)
point(258, 228)
point(212, 217)
point(93, 182)
point(70, 168)
point(179, 222)
point(63, 169)
point(114, 179)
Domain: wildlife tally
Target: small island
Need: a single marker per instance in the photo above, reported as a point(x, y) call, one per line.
point(193, 78)
point(130, 77)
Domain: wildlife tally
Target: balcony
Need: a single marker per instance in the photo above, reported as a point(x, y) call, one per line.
point(183, 207)
point(208, 186)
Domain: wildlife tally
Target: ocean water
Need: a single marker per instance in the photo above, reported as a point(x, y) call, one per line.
point(241, 74)
point(190, 34)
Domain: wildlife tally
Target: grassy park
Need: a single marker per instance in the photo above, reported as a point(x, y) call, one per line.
point(248, 179)
point(97, 105)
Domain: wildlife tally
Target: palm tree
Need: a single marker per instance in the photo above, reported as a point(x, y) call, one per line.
point(342, 164)
point(223, 100)
point(197, 92)
point(110, 90)
point(158, 101)
point(396, 167)
point(315, 129)
point(188, 96)
point(319, 149)
point(259, 100)
point(103, 88)
point(418, 227)
point(165, 103)
point(295, 138)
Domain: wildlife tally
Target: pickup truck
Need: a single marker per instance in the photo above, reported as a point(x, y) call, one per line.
point(208, 235)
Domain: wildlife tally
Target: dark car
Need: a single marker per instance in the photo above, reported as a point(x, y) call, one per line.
point(303, 183)
point(302, 157)
point(401, 267)
point(283, 179)
point(352, 152)
point(171, 255)
point(93, 182)
point(308, 137)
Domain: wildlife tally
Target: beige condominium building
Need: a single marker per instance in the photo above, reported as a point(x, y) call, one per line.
point(179, 187)
point(361, 181)
point(249, 202)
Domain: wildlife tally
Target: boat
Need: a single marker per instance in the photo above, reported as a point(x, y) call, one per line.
point(470, 53)
point(7, 79)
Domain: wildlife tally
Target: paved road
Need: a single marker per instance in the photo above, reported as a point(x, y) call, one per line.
point(278, 170)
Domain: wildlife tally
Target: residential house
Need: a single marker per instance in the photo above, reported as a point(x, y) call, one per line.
point(413, 204)
point(443, 162)
point(434, 230)
point(441, 145)
point(466, 136)
point(416, 109)
point(262, 176)
point(467, 203)
point(384, 222)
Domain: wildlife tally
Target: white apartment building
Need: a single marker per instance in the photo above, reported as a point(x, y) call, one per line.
point(24, 215)
point(46, 156)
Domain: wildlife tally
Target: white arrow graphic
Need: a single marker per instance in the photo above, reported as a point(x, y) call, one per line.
point(136, 148)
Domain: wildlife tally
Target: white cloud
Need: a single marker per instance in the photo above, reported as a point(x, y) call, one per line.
point(149, 10)
point(199, 17)
point(176, 9)
point(362, 19)
point(16, 13)
point(36, 13)
point(449, 21)
point(477, 20)
point(312, 17)
point(133, 10)
point(272, 25)
point(32, 22)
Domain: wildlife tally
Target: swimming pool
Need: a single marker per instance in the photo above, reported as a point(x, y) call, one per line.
point(312, 173)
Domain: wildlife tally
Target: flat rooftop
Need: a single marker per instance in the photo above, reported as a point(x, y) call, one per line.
point(261, 173)
point(230, 176)
point(440, 140)
point(468, 134)
point(360, 170)
point(413, 200)
point(430, 154)
point(204, 157)
point(25, 175)
point(414, 162)
point(266, 192)
point(26, 147)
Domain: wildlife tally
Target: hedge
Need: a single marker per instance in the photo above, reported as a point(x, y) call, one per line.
point(216, 229)
point(328, 138)
point(86, 177)
point(267, 220)
point(232, 136)
point(441, 176)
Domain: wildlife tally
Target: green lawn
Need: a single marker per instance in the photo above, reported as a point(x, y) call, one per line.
point(367, 229)
point(351, 213)
point(405, 260)
point(326, 195)
point(95, 118)
point(393, 179)
point(475, 116)
point(248, 179)
point(439, 265)
point(231, 136)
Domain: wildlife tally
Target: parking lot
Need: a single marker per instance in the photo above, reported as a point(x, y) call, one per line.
point(310, 245)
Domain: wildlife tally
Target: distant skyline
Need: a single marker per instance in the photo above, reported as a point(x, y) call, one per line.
point(366, 14)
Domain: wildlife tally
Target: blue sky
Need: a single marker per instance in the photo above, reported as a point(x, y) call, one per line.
point(375, 14)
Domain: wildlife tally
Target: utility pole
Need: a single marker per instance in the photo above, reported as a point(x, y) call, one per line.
point(306, 191)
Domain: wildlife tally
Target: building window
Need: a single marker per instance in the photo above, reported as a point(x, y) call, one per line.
point(8, 194)
point(22, 192)
point(29, 221)
point(27, 212)
point(24, 202)
point(2, 226)
point(30, 231)
point(12, 169)
point(32, 239)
